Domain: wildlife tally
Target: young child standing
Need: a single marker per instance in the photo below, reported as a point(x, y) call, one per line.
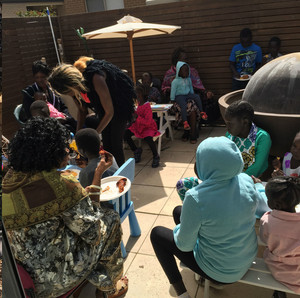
point(291, 161)
point(144, 127)
point(182, 90)
point(274, 47)
point(245, 58)
point(279, 229)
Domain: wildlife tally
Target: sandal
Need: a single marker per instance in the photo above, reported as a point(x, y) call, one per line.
point(121, 288)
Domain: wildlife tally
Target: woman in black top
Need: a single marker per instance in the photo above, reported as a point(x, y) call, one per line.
point(110, 95)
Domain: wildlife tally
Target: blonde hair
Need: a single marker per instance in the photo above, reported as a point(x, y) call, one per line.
point(80, 64)
point(66, 78)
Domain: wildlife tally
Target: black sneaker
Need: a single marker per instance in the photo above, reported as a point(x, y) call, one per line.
point(138, 154)
point(155, 162)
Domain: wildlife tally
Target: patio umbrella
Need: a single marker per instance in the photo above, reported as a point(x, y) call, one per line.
point(130, 27)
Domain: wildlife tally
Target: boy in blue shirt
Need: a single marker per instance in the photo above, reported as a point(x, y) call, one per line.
point(182, 90)
point(245, 59)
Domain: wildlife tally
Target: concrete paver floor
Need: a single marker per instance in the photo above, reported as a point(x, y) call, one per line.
point(154, 196)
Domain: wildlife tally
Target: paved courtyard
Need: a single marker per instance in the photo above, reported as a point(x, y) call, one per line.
point(154, 196)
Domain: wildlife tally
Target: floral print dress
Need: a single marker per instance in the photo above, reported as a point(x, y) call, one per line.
point(80, 243)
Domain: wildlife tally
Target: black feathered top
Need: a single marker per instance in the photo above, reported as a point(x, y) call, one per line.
point(120, 86)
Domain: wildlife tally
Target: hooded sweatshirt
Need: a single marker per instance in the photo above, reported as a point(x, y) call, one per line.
point(181, 86)
point(218, 215)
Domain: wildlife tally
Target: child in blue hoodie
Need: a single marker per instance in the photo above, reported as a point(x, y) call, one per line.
point(214, 233)
point(182, 90)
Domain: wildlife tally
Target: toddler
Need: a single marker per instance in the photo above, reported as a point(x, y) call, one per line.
point(144, 127)
point(54, 113)
point(39, 108)
point(279, 229)
point(291, 161)
point(182, 90)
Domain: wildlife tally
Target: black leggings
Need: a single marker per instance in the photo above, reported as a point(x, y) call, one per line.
point(112, 136)
point(165, 249)
point(149, 140)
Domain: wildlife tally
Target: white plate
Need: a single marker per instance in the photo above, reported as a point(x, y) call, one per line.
point(113, 191)
point(298, 208)
point(243, 80)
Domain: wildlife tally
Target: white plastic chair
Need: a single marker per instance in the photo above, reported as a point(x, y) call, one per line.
point(17, 113)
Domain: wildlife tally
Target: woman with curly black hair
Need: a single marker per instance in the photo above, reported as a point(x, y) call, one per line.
point(57, 233)
point(110, 95)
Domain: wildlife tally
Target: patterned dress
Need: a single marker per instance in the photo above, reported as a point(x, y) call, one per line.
point(77, 243)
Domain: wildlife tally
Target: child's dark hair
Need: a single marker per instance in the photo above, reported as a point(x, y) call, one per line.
point(176, 54)
point(148, 73)
point(284, 191)
point(39, 108)
point(40, 66)
point(246, 32)
point(144, 90)
point(275, 39)
point(241, 109)
point(88, 140)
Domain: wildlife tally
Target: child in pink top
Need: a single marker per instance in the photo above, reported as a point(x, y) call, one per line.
point(280, 230)
point(54, 113)
point(144, 127)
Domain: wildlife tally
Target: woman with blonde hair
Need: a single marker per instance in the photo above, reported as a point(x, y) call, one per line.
point(110, 95)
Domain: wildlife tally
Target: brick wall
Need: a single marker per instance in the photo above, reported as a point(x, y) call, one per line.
point(73, 7)
point(134, 3)
point(9, 9)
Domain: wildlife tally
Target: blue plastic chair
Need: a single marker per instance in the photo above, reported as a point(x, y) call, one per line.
point(124, 205)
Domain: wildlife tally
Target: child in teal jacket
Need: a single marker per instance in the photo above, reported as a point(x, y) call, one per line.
point(215, 234)
point(182, 90)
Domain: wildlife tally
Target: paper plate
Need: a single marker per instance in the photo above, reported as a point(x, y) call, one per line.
point(113, 191)
point(242, 80)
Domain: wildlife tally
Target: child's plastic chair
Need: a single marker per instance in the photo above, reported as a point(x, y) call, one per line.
point(123, 205)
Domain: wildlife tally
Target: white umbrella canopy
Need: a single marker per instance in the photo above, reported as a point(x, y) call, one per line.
point(130, 27)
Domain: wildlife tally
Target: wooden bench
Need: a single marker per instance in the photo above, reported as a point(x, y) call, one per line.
point(258, 275)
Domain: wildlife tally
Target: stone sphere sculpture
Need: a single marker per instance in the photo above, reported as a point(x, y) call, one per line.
point(275, 88)
point(274, 93)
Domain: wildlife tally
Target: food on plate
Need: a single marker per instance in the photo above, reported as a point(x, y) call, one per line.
point(244, 77)
point(121, 184)
point(102, 152)
point(106, 189)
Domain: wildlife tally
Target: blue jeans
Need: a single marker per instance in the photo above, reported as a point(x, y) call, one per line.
point(182, 101)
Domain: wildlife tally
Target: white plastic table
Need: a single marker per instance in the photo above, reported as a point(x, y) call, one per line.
point(162, 112)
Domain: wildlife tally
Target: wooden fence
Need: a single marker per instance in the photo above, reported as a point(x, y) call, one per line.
point(24, 41)
point(209, 30)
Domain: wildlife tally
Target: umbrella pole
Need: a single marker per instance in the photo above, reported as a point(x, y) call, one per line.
point(132, 59)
